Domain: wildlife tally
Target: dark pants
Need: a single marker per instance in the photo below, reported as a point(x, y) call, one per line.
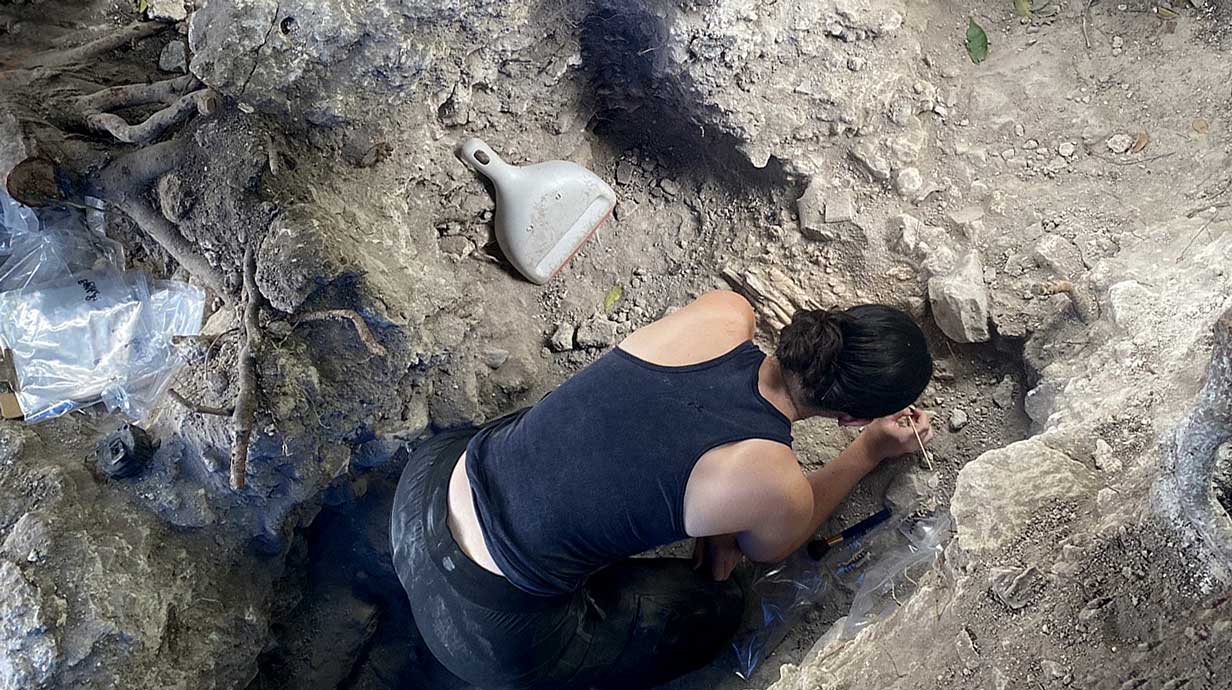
point(636, 624)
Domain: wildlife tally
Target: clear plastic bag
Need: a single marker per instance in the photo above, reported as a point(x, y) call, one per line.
point(879, 567)
point(78, 328)
point(785, 591)
point(894, 574)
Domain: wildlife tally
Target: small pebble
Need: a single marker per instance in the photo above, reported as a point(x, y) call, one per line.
point(958, 420)
point(670, 186)
point(495, 358)
point(1120, 143)
point(1067, 150)
point(1118, 42)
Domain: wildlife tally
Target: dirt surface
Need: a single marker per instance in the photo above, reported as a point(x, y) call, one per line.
point(813, 154)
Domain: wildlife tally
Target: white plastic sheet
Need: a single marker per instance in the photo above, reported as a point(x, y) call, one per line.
point(81, 330)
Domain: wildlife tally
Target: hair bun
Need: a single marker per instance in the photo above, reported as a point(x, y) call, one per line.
point(810, 345)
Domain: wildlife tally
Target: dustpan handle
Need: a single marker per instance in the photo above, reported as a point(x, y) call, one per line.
point(483, 160)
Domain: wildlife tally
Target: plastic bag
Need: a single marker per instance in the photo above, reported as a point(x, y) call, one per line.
point(79, 329)
point(878, 567)
point(893, 574)
point(785, 591)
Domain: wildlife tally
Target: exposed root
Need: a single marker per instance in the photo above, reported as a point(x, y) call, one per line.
point(126, 182)
point(199, 408)
point(1085, 306)
point(155, 125)
point(166, 91)
point(361, 327)
point(103, 44)
point(246, 400)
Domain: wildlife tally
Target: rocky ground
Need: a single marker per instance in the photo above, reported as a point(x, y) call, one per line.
point(1056, 215)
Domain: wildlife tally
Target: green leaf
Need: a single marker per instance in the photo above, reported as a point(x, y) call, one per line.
point(977, 42)
point(1023, 8)
point(612, 297)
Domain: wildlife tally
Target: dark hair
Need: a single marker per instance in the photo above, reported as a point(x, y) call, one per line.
point(867, 361)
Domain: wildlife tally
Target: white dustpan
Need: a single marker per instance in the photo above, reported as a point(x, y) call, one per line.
point(544, 212)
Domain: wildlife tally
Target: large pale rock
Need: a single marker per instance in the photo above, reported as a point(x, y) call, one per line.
point(333, 61)
point(999, 493)
point(960, 301)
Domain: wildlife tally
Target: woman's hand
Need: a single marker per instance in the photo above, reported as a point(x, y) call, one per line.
point(892, 436)
point(721, 553)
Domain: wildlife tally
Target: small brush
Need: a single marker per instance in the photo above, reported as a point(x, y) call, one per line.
point(928, 457)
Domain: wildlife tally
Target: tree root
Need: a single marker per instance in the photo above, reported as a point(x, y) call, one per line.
point(246, 400)
point(127, 180)
point(198, 408)
point(1085, 306)
point(361, 327)
point(104, 44)
point(202, 101)
point(129, 95)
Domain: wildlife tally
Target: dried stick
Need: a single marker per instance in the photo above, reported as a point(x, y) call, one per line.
point(165, 91)
point(246, 400)
point(361, 327)
point(928, 456)
point(103, 44)
point(155, 125)
point(198, 408)
point(1086, 17)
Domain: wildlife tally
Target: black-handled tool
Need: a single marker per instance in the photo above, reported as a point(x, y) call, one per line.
point(818, 548)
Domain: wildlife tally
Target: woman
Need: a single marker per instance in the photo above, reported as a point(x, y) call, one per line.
point(514, 542)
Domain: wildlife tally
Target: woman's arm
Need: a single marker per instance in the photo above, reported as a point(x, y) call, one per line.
point(772, 509)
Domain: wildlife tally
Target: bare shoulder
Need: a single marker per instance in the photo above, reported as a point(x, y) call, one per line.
point(736, 487)
point(705, 328)
point(725, 305)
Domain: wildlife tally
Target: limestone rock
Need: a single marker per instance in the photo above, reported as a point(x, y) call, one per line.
point(908, 182)
point(29, 653)
point(958, 420)
point(960, 301)
point(562, 338)
point(999, 493)
point(166, 10)
point(840, 207)
point(871, 160)
point(1011, 586)
point(1120, 143)
point(173, 199)
point(495, 357)
point(624, 172)
point(597, 332)
point(1003, 394)
point(1059, 255)
point(174, 57)
point(327, 63)
point(811, 209)
point(930, 247)
point(1105, 458)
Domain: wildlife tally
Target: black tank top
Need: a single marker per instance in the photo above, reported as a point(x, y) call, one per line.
point(596, 471)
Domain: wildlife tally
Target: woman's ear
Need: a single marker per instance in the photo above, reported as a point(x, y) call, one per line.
point(844, 419)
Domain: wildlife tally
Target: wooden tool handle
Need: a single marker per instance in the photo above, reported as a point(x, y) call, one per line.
point(477, 154)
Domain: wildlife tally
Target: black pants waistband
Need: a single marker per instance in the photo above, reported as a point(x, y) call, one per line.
point(466, 576)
